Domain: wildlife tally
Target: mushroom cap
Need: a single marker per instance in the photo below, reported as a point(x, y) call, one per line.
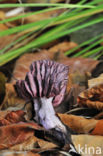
point(46, 78)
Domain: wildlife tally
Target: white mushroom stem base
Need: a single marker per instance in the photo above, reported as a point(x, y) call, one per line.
point(45, 113)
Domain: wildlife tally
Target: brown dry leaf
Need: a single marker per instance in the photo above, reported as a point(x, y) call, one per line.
point(42, 16)
point(77, 123)
point(91, 145)
point(92, 98)
point(4, 113)
point(75, 64)
point(12, 117)
point(15, 116)
point(11, 98)
point(6, 40)
point(2, 15)
point(63, 47)
point(2, 26)
point(95, 81)
point(32, 143)
point(98, 130)
point(16, 133)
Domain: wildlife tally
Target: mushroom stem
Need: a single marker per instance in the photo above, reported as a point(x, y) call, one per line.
point(46, 114)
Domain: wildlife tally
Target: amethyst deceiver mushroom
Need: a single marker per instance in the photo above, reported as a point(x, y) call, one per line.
point(45, 85)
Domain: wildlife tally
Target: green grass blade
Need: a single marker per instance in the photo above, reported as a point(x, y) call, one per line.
point(63, 5)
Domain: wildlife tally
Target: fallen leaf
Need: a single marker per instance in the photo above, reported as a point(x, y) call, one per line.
point(77, 123)
point(63, 47)
point(4, 113)
point(2, 26)
point(75, 64)
point(6, 40)
point(15, 116)
point(33, 143)
point(2, 15)
point(4, 122)
point(11, 117)
point(16, 133)
point(42, 16)
point(98, 130)
point(92, 98)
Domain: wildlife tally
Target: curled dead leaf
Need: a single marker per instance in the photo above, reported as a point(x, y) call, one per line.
point(92, 98)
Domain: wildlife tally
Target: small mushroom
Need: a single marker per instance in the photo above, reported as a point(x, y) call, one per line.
point(45, 85)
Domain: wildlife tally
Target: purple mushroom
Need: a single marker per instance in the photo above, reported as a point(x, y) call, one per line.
point(45, 85)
